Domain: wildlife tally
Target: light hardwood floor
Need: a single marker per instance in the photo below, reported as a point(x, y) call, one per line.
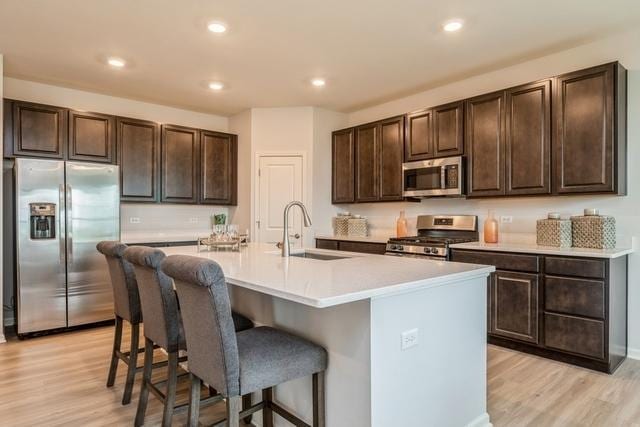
point(59, 380)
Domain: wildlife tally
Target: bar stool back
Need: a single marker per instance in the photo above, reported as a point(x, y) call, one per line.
point(126, 303)
point(238, 364)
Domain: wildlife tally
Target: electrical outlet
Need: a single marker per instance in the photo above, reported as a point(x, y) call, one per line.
point(134, 220)
point(409, 339)
point(506, 219)
point(193, 220)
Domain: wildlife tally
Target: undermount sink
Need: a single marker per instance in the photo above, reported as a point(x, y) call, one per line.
point(317, 255)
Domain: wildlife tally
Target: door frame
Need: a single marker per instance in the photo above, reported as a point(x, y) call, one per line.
point(256, 186)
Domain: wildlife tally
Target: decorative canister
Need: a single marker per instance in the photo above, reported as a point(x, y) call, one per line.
point(358, 226)
point(554, 231)
point(341, 224)
point(593, 230)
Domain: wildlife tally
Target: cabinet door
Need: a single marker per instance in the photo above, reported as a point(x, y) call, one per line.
point(180, 152)
point(343, 166)
point(528, 139)
point(391, 152)
point(138, 143)
point(513, 306)
point(484, 138)
point(218, 168)
point(585, 131)
point(91, 137)
point(448, 136)
point(37, 130)
point(367, 163)
point(419, 144)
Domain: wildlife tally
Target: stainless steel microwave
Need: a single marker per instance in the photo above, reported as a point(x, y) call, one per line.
point(431, 178)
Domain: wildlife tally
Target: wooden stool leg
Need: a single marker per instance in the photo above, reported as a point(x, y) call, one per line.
point(146, 379)
point(170, 395)
point(133, 364)
point(233, 411)
point(267, 412)
point(117, 341)
point(246, 404)
point(318, 400)
point(194, 401)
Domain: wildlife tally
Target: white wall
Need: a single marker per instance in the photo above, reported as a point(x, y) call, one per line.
point(525, 211)
point(240, 124)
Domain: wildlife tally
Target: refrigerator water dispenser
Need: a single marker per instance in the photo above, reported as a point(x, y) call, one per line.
point(43, 220)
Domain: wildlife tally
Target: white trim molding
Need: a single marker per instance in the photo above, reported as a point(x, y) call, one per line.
point(633, 353)
point(482, 421)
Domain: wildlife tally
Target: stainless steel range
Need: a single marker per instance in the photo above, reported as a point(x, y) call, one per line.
point(435, 234)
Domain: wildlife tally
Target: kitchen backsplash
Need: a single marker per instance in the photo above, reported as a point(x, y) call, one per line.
point(516, 216)
point(166, 218)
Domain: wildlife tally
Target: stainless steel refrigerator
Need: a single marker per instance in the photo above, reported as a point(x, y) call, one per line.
point(63, 209)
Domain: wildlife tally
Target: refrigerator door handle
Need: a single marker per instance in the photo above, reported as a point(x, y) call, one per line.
point(69, 209)
point(61, 223)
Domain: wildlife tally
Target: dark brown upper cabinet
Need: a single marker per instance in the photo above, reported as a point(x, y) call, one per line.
point(590, 131)
point(34, 130)
point(528, 139)
point(391, 154)
point(138, 143)
point(485, 141)
point(448, 130)
point(343, 166)
point(419, 144)
point(367, 163)
point(180, 153)
point(218, 171)
point(91, 137)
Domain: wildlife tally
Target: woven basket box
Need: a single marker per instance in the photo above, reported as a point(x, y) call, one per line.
point(596, 231)
point(554, 232)
point(358, 227)
point(341, 225)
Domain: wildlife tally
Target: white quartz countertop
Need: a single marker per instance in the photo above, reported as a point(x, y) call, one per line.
point(532, 248)
point(368, 239)
point(321, 283)
point(162, 236)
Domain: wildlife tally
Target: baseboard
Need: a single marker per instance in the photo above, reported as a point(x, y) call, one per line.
point(633, 353)
point(2, 340)
point(482, 421)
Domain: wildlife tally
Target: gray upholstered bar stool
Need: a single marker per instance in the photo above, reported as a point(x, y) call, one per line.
point(162, 328)
point(238, 364)
point(126, 303)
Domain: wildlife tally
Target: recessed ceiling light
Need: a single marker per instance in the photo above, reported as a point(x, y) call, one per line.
point(116, 62)
point(217, 27)
point(318, 82)
point(216, 86)
point(452, 25)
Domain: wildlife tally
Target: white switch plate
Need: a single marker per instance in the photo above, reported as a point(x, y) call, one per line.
point(134, 220)
point(506, 219)
point(409, 339)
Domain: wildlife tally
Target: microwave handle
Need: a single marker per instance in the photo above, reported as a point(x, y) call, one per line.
point(443, 177)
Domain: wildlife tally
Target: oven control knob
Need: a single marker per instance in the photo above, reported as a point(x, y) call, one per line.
point(434, 251)
point(399, 247)
point(427, 250)
point(393, 247)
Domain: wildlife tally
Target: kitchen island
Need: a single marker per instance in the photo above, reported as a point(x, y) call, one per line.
point(364, 309)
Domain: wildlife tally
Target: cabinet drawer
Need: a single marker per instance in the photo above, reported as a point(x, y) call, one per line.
point(502, 261)
point(581, 267)
point(365, 247)
point(574, 296)
point(574, 335)
point(327, 244)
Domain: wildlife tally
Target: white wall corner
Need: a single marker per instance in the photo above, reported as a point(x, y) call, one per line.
point(482, 421)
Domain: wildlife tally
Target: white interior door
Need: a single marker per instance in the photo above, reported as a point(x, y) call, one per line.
point(280, 182)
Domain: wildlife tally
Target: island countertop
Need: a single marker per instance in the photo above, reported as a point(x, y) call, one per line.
point(532, 248)
point(322, 283)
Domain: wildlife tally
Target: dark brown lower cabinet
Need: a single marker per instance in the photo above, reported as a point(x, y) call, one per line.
point(352, 246)
point(565, 308)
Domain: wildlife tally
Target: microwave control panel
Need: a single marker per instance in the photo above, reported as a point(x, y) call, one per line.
point(451, 176)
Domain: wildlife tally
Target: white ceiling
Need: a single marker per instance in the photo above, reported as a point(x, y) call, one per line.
point(369, 51)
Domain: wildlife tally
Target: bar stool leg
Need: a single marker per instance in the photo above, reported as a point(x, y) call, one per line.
point(318, 399)
point(267, 412)
point(170, 395)
point(133, 364)
point(146, 379)
point(194, 401)
point(233, 411)
point(117, 341)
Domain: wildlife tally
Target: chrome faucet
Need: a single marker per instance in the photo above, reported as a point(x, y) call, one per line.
point(307, 223)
